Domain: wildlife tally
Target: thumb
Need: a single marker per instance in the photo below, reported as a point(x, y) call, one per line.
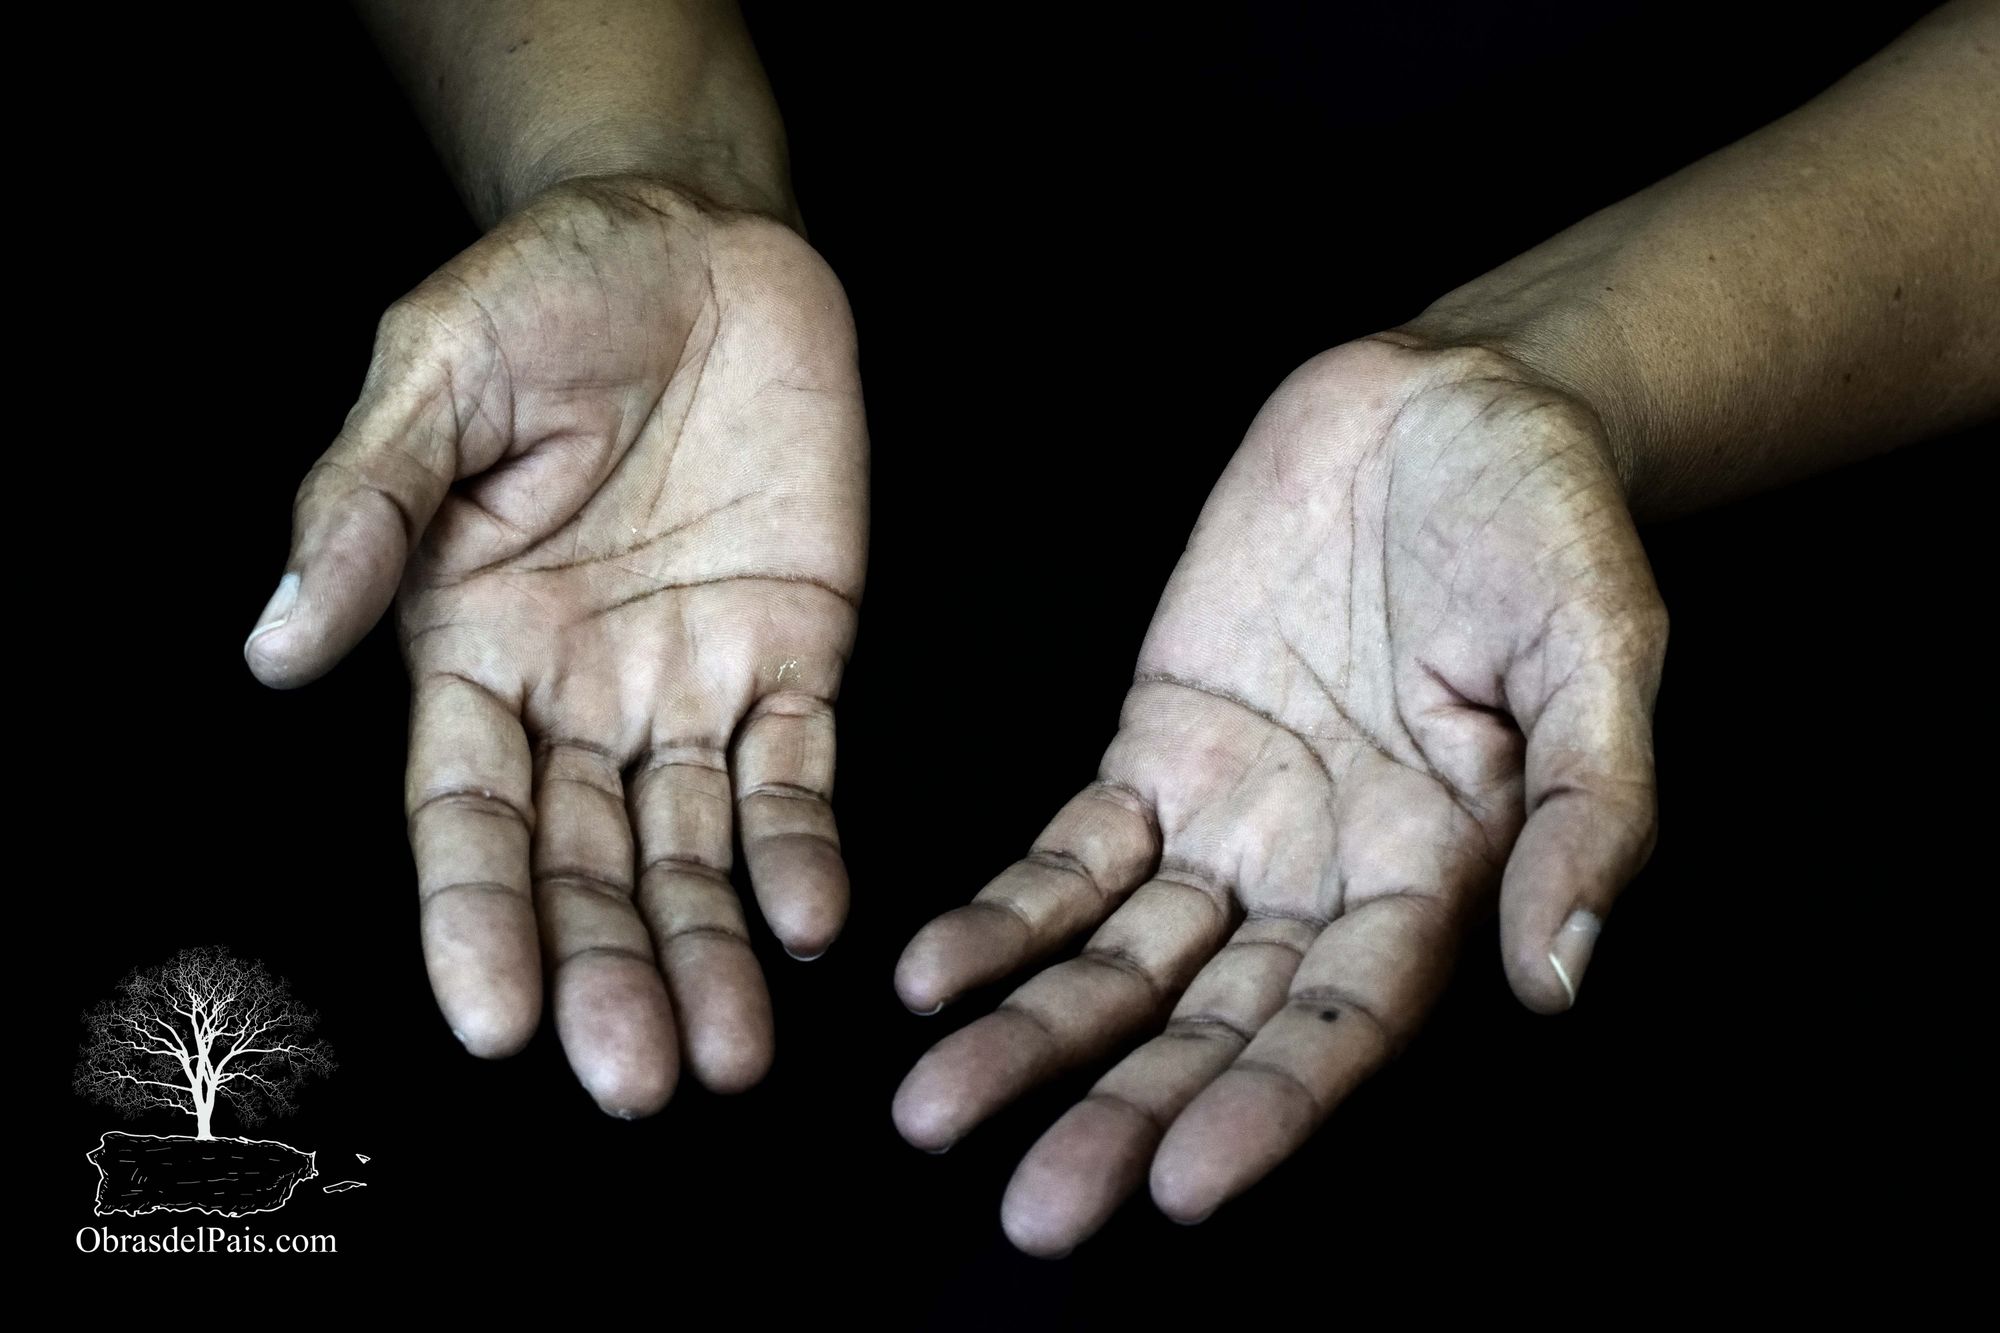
point(359, 513)
point(1591, 822)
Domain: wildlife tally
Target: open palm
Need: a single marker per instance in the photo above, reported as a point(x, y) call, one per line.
point(614, 459)
point(1410, 652)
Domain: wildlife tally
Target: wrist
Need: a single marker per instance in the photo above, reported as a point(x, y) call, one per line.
point(746, 174)
point(1572, 347)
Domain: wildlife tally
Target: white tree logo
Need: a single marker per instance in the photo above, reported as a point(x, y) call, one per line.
point(200, 1030)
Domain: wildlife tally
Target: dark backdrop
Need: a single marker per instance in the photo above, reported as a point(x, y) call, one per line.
point(1080, 252)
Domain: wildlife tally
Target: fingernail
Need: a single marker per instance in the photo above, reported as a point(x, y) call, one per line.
point(939, 1152)
point(931, 1012)
point(1569, 952)
point(278, 610)
point(1196, 1221)
point(626, 1115)
point(460, 1035)
point(803, 957)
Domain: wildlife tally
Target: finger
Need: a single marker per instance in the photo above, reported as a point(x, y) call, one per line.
point(612, 1013)
point(1591, 820)
point(360, 510)
point(783, 764)
point(468, 794)
point(1092, 853)
point(680, 807)
point(1360, 992)
point(1127, 975)
point(1095, 1157)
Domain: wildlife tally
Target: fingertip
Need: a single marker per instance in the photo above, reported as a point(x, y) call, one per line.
point(494, 1010)
point(1075, 1176)
point(276, 665)
point(485, 969)
point(729, 1067)
point(636, 1095)
point(963, 948)
point(493, 1031)
point(918, 983)
point(1187, 1195)
point(1030, 1239)
point(801, 884)
point(1534, 980)
point(729, 1033)
point(808, 927)
point(920, 1115)
point(1227, 1139)
point(1031, 1216)
point(275, 650)
point(724, 1008)
point(617, 1030)
point(1545, 971)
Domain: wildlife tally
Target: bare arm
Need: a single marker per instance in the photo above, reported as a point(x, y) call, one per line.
point(520, 94)
point(1826, 288)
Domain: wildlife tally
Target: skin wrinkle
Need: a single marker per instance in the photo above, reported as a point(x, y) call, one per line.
point(496, 356)
point(477, 802)
point(586, 880)
point(1459, 798)
point(604, 951)
point(785, 791)
point(666, 466)
point(1108, 1098)
point(1121, 961)
point(1007, 907)
point(1312, 999)
point(1316, 921)
point(1134, 803)
point(795, 580)
point(395, 503)
point(683, 864)
point(614, 796)
point(1353, 553)
point(655, 539)
point(1048, 1043)
point(1208, 1027)
point(1285, 1078)
point(546, 744)
point(704, 931)
point(1054, 858)
point(1216, 692)
point(1451, 580)
point(459, 677)
point(648, 761)
point(472, 886)
point(1218, 903)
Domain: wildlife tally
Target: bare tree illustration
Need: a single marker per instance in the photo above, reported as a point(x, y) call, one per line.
point(201, 1028)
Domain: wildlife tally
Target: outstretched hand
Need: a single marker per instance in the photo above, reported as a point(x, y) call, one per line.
point(611, 463)
point(1409, 657)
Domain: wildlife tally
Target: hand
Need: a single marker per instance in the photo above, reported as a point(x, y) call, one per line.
point(1410, 654)
point(614, 455)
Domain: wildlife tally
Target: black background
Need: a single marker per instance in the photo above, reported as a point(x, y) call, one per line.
point(1080, 252)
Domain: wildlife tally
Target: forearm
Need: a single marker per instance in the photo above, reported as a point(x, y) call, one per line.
point(1826, 288)
point(521, 94)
